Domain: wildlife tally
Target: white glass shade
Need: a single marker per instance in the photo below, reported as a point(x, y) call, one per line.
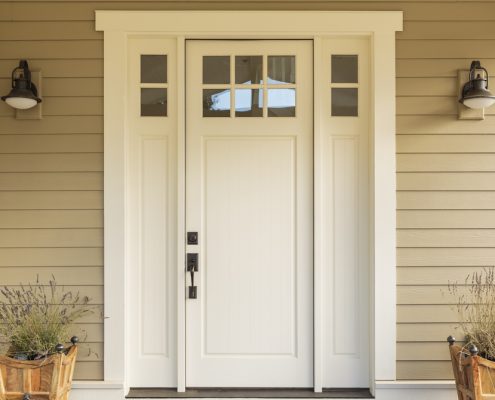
point(21, 103)
point(479, 102)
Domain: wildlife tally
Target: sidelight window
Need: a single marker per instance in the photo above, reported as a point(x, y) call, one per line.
point(154, 85)
point(344, 85)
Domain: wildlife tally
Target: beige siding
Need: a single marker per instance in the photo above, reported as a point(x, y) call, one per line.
point(51, 170)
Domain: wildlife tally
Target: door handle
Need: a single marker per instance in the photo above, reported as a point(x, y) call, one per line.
point(192, 267)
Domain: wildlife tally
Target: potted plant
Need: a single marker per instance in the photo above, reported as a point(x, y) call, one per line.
point(35, 321)
point(473, 363)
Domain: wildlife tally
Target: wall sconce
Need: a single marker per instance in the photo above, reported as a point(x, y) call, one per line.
point(24, 94)
point(474, 94)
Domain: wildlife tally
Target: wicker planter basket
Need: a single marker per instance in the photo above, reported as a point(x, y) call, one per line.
point(49, 378)
point(474, 375)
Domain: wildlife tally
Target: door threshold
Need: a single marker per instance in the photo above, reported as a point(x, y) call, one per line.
point(247, 393)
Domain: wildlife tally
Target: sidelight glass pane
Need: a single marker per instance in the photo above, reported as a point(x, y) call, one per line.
point(281, 102)
point(153, 102)
point(281, 69)
point(153, 68)
point(344, 68)
point(344, 102)
point(248, 103)
point(216, 103)
point(248, 69)
point(216, 69)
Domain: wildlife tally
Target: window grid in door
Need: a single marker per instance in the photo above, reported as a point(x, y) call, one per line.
point(154, 85)
point(344, 85)
point(255, 95)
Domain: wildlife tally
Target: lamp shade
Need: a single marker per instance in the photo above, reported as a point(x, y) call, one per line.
point(475, 93)
point(24, 94)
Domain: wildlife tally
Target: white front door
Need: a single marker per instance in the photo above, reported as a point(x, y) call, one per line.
point(249, 198)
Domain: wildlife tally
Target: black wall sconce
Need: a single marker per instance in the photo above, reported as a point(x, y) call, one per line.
point(24, 93)
point(474, 94)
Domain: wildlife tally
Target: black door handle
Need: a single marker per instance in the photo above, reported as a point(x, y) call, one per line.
point(192, 267)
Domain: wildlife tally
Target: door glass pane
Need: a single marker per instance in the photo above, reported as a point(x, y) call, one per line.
point(344, 68)
point(216, 69)
point(248, 103)
point(153, 102)
point(344, 102)
point(281, 69)
point(248, 69)
point(153, 68)
point(281, 102)
point(216, 103)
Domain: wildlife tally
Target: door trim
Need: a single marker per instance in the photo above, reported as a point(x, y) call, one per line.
point(380, 27)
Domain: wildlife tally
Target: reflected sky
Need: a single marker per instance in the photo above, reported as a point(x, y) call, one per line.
point(277, 98)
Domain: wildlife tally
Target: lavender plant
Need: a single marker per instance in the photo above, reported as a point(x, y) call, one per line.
point(476, 309)
point(34, 318)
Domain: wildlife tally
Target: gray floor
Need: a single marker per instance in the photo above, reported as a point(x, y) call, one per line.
point(139, 393)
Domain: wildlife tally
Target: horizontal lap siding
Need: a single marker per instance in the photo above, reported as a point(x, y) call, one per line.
point(51, 199)
point(51, 170)
point(446, 195)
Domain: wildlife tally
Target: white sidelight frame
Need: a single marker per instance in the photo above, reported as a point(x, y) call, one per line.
point(380, 27)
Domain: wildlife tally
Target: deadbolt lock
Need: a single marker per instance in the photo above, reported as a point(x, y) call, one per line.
point(192, 237)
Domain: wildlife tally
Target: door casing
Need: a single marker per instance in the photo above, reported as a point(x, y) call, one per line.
point(380, 27)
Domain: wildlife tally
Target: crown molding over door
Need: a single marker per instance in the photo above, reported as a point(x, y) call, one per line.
point(380, 28)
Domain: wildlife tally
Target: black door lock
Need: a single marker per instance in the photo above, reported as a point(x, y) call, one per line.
point(192, 237)
point(192, 267)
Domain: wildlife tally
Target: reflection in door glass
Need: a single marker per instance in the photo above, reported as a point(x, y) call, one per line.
point(281, 69)
point(153, 68)
point(153, 102)
point(216, 103)
point(281, 102)
point(344, 102)
point(249, 69)
point(216, 69)
point(248, 103)
point(344, 68)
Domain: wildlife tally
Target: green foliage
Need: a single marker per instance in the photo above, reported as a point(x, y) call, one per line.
point(476, 309)
point(34, 318)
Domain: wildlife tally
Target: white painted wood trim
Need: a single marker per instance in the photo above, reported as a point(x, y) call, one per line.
point(181, 214)
point(416, 385)
point(383, 185)
point(115, 46)
point(251, 24)
point(103, 385)
point(317, 210)
point(415, 390)
point(95, 390)
point(392, 390)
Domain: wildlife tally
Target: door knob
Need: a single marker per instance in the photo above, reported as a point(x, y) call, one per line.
point(192, 267)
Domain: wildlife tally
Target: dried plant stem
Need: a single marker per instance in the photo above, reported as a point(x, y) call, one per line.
point(34, 318)
point(476, 309)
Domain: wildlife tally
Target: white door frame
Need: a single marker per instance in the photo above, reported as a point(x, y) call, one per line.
point(380, 27)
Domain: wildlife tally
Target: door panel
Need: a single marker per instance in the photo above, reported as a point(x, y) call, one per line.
point(249, 185)
point(249, 203)
point(345, 212)
point(152, 196)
